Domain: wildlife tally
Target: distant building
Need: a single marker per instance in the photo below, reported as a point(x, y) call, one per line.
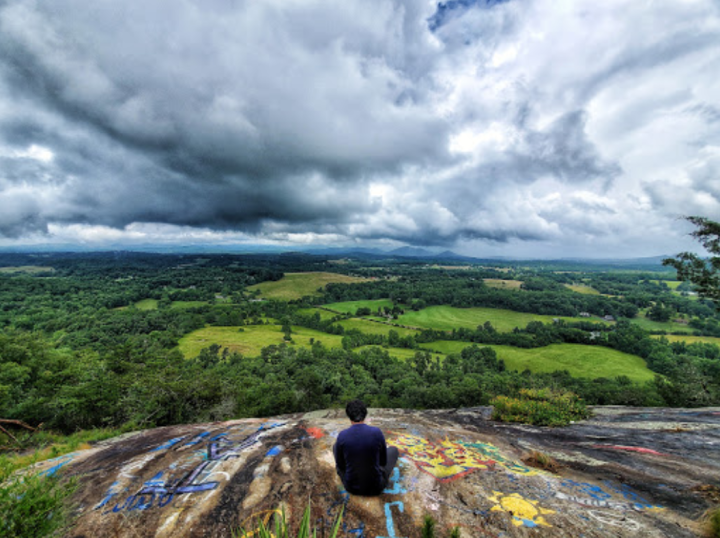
point(681, 320)
point(584, 314)
point(609, 318)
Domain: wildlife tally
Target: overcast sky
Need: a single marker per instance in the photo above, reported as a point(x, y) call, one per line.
point(529, 128)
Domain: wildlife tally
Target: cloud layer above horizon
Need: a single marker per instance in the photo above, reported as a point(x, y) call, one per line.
point(520, 128)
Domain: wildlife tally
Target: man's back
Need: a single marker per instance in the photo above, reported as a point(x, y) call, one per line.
point(361, 455)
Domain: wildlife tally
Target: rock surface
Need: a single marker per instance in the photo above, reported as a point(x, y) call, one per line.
point(625, 472)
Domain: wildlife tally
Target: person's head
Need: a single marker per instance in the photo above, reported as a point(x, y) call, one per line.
point(356, 411)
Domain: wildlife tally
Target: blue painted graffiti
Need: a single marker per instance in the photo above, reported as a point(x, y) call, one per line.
point(62, 460)
point(638, 502)
point(169, 444)
point(219, 448)
point(389, 519)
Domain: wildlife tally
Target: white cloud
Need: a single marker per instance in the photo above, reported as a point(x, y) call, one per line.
point(515, 128)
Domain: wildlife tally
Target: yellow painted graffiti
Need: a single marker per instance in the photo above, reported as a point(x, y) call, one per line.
point(492, 452)
point(445, 461)
point(523, 511)
point(253, 522)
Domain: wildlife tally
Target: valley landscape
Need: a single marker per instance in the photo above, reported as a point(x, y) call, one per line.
point(108, 343)
point(495, 222)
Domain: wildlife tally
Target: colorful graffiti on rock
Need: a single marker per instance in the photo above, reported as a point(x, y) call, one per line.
point(524, 512)
point(450, 460)
point(161, 492)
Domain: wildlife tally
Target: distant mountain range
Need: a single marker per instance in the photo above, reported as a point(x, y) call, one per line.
point(402, 252)
point(415, 253)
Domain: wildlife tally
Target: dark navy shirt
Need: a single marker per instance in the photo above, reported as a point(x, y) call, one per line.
point(361, 456)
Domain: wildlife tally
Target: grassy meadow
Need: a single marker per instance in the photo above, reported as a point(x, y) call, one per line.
point(26, 269)
point(650, 325)
point(147, 304)
point(503, 284)
point(448, 317)
point(297, 285)
point(582, 288)
point(580, 361)
point(690, 339)
point(350, 307)
point(372, 327)
point(251, 340)
point(324, 314)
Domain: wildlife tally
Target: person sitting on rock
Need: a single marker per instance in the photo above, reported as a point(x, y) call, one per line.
point(362, 459)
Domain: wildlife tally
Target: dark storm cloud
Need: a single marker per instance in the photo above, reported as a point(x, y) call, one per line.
point(445, 123)
point(217, 115)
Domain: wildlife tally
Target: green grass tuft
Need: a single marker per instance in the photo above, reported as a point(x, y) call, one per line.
point(32, 505)
point(541, 407)
point(712, 522)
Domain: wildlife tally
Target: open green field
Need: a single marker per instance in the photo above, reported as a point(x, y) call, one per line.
point(371, 327)
point(503, 284)
point(672, 284)
point(689, 338)
point(147, 304)
point(251, 340)
point(27, 269)
point(582, 288)
point(579, 360)
point(350, 307)
point(448, 317)
point(188, 304)
point(650, 325)
point(297, 285)
point(397, 352)
point(255, 337)
point(324, 314)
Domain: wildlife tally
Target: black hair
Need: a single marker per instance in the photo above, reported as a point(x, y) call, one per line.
point(356, 411)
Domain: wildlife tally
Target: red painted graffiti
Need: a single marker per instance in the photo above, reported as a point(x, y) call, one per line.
point(317, 433)
point(639, 449)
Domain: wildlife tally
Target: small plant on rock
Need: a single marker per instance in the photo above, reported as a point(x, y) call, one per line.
point(281, 529)
point(542, 461)
point(541, 407)
point(712, 522)
point(428, 529)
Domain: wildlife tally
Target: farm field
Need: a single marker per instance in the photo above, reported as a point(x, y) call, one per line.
point(672, 284)
point(371, 327)
point(503, 284)
point(297, 285)
point(251, 340)
point(188, 304)
point(27, 269)
point(397, 352)
point(689, 338)
point(350, 307)
point(581, 361)
point(448, 317)
point(582, 288)
point(324, 314)
point(147, 304)
point(650, 325)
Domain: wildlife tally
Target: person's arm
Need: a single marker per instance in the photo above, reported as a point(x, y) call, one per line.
point(339, 457)
point(383, 449)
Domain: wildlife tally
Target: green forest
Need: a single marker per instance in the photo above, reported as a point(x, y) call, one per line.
point(132, 340)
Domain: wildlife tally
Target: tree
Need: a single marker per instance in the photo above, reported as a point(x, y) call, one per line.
point(703, 273)
point(660, 312)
